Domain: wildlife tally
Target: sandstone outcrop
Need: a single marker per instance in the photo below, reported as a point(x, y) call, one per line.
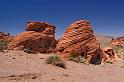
point(79, 38)
point(39, 38)
point(43, 27)
point(109, 54)
point(119, 41)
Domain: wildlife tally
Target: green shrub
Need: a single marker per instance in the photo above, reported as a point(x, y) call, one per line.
point(3, 44)
point(76, 57)
point(119, 50)
point(109, 62)
point(28, 50)
point(55, 60)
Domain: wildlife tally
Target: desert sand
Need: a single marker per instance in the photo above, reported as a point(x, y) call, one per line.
point(18, 66)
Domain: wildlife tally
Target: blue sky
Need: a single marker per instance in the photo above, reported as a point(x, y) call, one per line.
point(106, 16)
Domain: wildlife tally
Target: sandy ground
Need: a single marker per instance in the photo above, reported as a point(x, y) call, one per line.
point(17, 66)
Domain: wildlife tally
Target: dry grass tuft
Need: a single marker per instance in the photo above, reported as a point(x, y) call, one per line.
point(56, 61)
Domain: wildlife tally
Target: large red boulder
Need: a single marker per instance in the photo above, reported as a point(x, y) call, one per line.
point(34, 40)
point(79, 38)
point(43, 27)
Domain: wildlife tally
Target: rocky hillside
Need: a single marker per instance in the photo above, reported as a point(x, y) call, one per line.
point(104, 40)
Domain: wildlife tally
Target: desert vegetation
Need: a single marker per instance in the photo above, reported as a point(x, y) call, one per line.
point(3, 44)
point(28, 50)
point(56, 61)
point(76, 57)
point(119, 50)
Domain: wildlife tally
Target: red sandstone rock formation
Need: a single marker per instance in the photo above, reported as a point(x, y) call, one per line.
point(39, 37)
point(79, 38)
point(109, 54)
point(119, 41)
point(43, 27)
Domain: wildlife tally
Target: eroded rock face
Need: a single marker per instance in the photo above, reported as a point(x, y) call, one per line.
point(109, 54)
point(79, 38)
point(35, 40)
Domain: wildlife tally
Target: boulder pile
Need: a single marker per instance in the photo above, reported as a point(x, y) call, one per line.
point(38, 38)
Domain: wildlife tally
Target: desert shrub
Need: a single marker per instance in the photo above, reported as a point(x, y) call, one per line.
point(76, 57)
point(56, 61)
point(119, 50)
point(110, 62)
point(105, 44)
point(28, 50)
point(3, 44)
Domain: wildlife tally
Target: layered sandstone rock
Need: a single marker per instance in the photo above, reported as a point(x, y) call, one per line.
point(37, 40)
point(79, 38)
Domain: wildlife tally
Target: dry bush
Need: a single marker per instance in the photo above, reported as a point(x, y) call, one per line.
point(56, 61)
point(119, 50)
point(3, 44)
point(28, 50)
point(76, 57)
